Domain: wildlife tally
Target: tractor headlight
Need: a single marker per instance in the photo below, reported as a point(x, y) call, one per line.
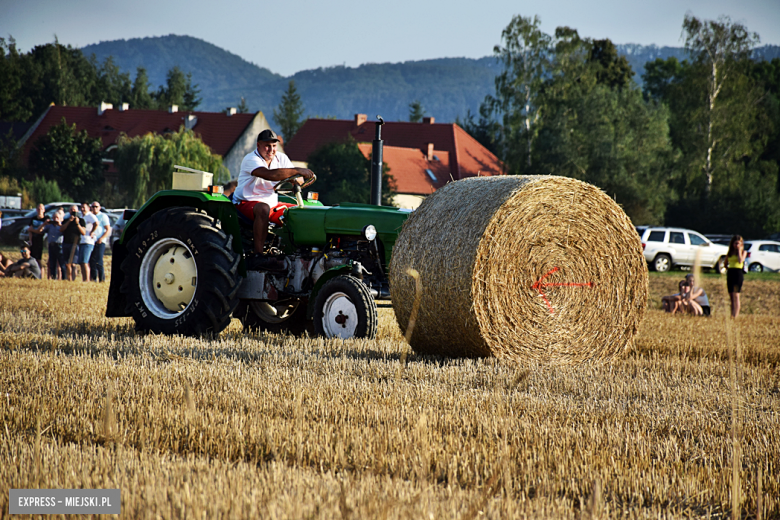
point(369, 232)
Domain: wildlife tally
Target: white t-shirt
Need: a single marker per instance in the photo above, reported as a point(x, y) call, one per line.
point(91, 221)
point(256, 188)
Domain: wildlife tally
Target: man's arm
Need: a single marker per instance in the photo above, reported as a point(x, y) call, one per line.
point(280, 174)
point(107, 233)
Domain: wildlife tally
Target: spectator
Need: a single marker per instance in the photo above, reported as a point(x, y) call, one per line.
point(87, 240)
point(671, 303)
point(698, 297)
point(25, 267)
point(5, 262)
point(54, 238)
point(102, 235)
point(35, 233)
point(229, 188)
point(72, 228)
point(735, 274)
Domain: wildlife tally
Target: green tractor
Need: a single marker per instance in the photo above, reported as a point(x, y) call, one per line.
point(179, 266)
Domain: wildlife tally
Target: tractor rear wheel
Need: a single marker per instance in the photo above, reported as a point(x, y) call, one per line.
point(345, 309)
point(181, 274)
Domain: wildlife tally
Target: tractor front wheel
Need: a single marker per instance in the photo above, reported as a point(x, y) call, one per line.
point(181, 274)
point(345, 309)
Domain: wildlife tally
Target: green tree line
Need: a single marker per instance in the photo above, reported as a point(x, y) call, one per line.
point(67, 164)
point(60, 74)
point(698, 146)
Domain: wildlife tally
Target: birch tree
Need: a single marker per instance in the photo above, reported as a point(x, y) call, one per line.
point(723, 47)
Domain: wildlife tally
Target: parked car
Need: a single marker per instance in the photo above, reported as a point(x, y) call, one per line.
point(762, 255)
point(12, 213)
point(723, 240)
point(665, 248)
point(119, 226)
point(11, 232)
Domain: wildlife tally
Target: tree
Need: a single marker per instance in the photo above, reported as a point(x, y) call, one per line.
point(14, 104)
point(722, 47)
point(524, 57)
point(71, 158)
point(146, 163)
point(42, 191)
point(289, 113)
point(344, 175)
point(178, 90)
point(140, 97)
point(112, 85)
point(486, 130)
point(613, 70)
point(243, 108)
point(416, 111)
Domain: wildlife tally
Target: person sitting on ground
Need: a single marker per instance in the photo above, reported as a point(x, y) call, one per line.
point(25, 267)
point(671, 302)
point(5, 262)
point(682, 305)
point(255, 198)
point(698, 297)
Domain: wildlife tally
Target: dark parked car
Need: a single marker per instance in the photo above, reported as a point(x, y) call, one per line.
point(13, 226)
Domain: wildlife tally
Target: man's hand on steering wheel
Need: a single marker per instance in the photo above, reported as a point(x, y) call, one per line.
point(303, 178)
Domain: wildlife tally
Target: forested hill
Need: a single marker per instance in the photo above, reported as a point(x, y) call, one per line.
point(447, 87)
point(212, 67)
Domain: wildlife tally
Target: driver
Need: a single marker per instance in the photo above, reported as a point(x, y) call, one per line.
point(255, 198)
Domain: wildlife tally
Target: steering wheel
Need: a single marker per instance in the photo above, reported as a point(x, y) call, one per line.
point(278, 189)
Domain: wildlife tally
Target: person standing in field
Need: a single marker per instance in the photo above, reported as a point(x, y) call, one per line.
point(35, 233)
point(87, 240)
point(735, 274)
point(101, 238)
point(54, 238)
point(72, 229)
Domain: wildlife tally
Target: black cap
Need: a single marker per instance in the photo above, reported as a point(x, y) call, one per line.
point(268, 135)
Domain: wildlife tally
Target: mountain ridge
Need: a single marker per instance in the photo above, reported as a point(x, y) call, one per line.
point(446, 87)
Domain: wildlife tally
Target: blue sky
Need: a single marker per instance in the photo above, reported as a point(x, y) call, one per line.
point(290, 36)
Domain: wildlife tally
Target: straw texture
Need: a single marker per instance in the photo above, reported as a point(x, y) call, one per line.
point(538, 267)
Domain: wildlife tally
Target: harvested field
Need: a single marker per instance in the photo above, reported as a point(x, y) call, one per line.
point(280, 427)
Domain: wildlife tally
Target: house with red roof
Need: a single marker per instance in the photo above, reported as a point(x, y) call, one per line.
point(422, 157)
point(229, 134)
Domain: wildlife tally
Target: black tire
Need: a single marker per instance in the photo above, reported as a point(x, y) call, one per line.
point(344, 308)
point(755, 267)
point(662, 263)
point(197, 250)
point(722, 267)
point(290, 317)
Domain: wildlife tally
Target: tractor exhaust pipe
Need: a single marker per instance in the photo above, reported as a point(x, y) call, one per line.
point(376, 165)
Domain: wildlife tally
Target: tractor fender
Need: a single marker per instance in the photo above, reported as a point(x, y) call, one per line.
point(322, 280)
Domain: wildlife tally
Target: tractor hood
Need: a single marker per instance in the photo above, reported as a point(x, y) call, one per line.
point(312, 226)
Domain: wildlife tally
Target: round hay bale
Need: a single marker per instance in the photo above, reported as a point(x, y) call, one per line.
point(525, 268)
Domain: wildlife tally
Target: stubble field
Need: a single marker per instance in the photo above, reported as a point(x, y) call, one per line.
point(268, 426)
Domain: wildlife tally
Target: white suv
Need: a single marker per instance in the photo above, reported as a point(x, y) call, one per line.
point(666, 247)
